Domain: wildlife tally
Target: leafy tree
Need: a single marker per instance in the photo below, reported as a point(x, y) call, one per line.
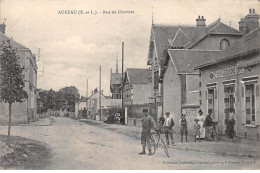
point(12, 79)
point(64, 98)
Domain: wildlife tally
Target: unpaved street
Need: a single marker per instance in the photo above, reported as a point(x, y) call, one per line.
point(77, 145)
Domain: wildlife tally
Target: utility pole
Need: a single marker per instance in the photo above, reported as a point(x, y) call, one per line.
point(100, 92)
point(122, 79)
point(87, 95)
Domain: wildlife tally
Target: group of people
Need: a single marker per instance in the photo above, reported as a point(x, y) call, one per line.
point(201, 128)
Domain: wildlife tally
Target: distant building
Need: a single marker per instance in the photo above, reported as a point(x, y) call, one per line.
point(115, 83)
point(26, 111)
point(106, 103)
point(137, 89)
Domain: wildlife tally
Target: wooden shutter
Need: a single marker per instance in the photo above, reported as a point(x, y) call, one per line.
point(257, 103)
point(216, 105)
point(243, 105)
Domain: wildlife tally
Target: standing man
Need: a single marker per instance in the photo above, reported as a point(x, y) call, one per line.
point(148, 123)
point(168, 124)
point(207, 124)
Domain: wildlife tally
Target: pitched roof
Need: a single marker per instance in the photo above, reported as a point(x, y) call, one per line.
point(180, 39)
point(248, 43)
point(216, 27)
point(4, 38)
point(115, 79)
point(137, 76)
point(185, 60)
point(161, 34)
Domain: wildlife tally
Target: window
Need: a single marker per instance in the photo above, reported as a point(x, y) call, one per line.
point(211, 101)
point(224, 43)
point(250, 103)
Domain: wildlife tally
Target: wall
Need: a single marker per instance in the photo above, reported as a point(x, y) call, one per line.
point(172, 94)
point(20, 113)
point(212, 42)
point(192, 90)
point(240, 126)
point(141, 93)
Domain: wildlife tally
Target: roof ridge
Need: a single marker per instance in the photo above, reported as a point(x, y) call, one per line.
point(214, 26)
point(174, 25)
point(213, 23)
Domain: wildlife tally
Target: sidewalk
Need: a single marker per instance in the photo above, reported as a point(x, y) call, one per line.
point(238, 148)
point(47, 121)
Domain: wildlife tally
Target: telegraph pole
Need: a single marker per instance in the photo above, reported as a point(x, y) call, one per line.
point(100, 92)
point(87, 95)
point(122, 79)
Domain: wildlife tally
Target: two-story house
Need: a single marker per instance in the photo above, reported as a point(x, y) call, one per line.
point(26, 111)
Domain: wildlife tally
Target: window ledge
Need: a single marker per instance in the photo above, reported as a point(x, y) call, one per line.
point(250, 125)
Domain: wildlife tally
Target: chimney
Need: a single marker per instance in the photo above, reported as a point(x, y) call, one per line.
point(2, 28)
point(242, 25)
point(250, 21)
point(201, 22)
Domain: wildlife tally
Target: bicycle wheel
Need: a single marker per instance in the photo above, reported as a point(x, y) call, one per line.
point(165, 148)
point(153, 144)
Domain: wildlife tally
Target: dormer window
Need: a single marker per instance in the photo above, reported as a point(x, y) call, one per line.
point(224, 43)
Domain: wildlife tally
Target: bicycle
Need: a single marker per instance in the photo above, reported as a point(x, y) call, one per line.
point(214, 131)
point(155, 144)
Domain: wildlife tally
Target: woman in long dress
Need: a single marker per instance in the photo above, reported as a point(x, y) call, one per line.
point(201, 119)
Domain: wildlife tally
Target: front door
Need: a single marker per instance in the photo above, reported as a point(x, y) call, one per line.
point(229, 100)
point(213, 102)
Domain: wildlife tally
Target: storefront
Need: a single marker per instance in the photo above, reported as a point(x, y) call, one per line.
point(230, 87)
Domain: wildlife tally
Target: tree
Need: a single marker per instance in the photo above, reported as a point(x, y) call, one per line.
point(12, 79)
point(64, 98)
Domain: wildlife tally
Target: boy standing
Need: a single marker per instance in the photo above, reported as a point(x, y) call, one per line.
point(196, 130)
point(184, 129)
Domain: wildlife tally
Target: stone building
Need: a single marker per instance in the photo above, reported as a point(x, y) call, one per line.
point(230, 82)
point(26, 111)
point(137, 89)
point(106, 103)
point(176, 44)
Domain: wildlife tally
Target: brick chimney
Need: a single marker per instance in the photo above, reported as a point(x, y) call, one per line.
point(250, 22)
point(2, 28)
point(201, 22)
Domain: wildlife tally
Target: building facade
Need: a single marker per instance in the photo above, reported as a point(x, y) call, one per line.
point(106, 103)
point(230, 83)
point(137, 89)
point(26, 111)
point(164, 40)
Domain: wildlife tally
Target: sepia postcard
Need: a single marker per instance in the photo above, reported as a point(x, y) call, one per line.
point(129, 85)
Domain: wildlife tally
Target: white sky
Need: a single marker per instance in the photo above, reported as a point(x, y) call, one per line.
point(73, 46)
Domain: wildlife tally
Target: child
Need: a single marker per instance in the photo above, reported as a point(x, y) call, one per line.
point(196, 129)
point(184, 130)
